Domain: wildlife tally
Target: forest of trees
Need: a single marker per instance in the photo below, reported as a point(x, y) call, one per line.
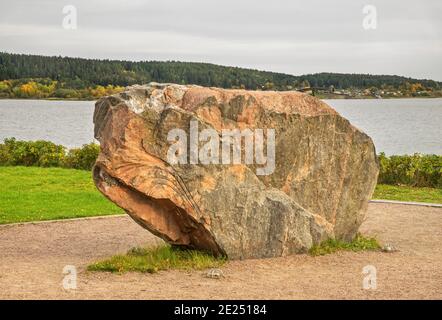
point(22, 75)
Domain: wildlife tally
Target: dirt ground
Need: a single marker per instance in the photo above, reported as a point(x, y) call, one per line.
point(32, 258)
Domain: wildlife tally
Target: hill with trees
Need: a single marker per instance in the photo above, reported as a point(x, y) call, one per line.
point(36, 76)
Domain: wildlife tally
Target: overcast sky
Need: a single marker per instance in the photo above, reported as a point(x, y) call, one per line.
point(295, 37)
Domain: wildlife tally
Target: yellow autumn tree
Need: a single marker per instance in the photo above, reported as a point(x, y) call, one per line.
point(29, 89)
point(4, 86)
point(415, 87)
point(110, 89)
point(98, 91)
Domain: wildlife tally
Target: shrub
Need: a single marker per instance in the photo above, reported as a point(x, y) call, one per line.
point(46, 154)
point(5, 155)
point(82, 158)
point(416, 170)
point(31, 153)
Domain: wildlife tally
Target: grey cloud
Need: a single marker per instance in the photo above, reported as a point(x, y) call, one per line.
point(280, 35)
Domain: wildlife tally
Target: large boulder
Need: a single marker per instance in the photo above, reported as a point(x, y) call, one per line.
point(166, 160)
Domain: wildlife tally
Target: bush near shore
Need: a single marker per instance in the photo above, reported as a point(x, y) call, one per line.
point(47, 154)
point(412, 170)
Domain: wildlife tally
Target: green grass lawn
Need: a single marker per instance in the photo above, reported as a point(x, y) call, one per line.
point(405, 193)
point(32, 193)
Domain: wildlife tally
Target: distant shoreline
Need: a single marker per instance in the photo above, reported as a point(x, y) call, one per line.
point(319, 97)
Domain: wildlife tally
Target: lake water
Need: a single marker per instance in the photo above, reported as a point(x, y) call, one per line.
point(397, 126)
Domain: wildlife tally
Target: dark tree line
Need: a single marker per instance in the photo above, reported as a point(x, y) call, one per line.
point(78, 73)
point(348, 80)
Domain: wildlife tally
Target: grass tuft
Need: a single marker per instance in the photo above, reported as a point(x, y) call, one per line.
point(359, 243)
point(151, 260)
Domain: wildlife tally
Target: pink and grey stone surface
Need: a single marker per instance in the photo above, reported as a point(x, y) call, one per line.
point(325, 170)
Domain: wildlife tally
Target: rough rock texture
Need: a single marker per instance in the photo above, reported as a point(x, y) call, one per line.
point(324, 175)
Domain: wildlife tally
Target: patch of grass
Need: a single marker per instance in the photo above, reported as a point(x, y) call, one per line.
point(359, 243)
point(34, 193)
point(406, 193)
point(151, 260)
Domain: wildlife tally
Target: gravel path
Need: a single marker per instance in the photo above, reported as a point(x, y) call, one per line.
point(32, 257)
